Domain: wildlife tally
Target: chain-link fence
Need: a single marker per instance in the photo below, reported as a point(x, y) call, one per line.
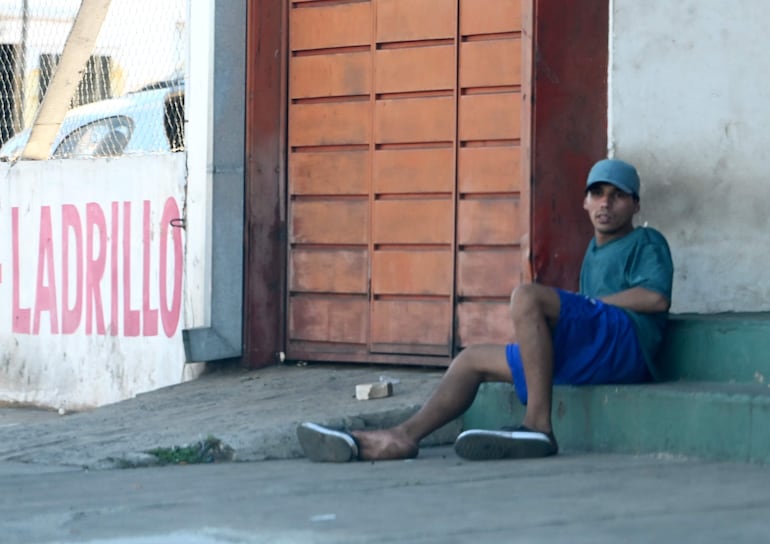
point(130, 95)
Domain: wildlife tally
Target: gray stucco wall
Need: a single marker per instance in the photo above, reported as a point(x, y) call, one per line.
point(690, 106)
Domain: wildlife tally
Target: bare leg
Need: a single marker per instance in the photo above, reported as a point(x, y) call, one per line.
point(452, 397)
point(535, 310)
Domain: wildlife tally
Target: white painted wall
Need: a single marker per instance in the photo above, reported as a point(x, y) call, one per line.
point(199, 109)
point(689, 105)
point(113, 329)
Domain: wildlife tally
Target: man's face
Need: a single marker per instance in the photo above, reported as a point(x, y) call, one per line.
point(611, 210)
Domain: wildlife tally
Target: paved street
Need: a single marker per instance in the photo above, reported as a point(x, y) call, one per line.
point(436, 498)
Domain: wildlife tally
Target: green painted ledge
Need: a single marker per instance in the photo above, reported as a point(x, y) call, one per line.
point(731, 347)
point(729, 422)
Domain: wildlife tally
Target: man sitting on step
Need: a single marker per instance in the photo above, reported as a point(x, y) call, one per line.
point(607, 333)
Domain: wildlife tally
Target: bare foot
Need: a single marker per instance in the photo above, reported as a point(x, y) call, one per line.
point(384, 445)
point(539, 425)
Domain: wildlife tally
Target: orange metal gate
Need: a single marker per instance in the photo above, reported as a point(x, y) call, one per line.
point(406, 205)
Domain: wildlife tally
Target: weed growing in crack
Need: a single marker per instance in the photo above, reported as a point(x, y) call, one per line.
point(210, 450)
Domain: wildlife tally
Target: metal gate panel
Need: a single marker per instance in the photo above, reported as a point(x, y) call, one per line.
point(330, 223)
point(478, 17)
point(418, 170)
point(329, 176)
point(315, 26)
point(333, 323)
point(330, 173)
point(485, 118)
point(413, 217)
point(331, 75)
point(329, 271)
point(403, 70)
point(325, 124)
point(488, 221)
point(571, 95)
point(418, 221)
point(415, 272)
point(489, 217)
point(488, 170)
point(410, 327)
point(479, 273)
point(406, 121)
point(414, 20)
point(403, 177)
point(490, 63)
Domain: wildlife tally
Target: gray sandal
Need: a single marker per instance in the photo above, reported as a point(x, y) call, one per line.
point(517, 443)
point(324, 445)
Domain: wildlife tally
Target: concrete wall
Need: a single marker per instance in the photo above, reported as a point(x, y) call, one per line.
point(91, 280)
point(689, 97)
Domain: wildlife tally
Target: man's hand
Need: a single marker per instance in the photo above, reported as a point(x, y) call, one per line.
point(639, 299)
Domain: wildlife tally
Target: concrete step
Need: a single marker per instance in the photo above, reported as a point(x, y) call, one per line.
point(717, 348)
point(716, 421)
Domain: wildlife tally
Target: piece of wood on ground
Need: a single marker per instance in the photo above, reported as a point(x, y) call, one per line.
point(376, 390)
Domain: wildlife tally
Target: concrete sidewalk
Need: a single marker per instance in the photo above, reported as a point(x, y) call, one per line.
point(255, 412)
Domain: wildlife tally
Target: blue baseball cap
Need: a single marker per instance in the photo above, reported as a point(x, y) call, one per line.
point(616, 172)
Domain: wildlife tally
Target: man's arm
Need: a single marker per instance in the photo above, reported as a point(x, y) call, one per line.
point(639, 299)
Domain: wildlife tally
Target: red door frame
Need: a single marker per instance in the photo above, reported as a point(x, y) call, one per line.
point(569, 130)
point(569, 48)
point(264, 222)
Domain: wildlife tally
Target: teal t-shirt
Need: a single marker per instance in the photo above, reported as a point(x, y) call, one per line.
point(640, 259)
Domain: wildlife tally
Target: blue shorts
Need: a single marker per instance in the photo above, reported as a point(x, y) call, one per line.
point(593, 343)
